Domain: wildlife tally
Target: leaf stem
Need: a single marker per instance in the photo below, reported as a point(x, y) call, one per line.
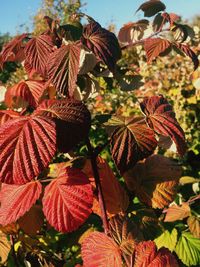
point(101, 200)
point(12, 241)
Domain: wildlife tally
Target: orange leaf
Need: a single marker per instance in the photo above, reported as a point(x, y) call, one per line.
point(175, 212)
point(115, 196)
point(100, 250)
point(5, 247)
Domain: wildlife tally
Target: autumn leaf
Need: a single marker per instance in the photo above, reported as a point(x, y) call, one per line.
point(13, 50)
point(63, 67)
point(72, 121)
point(194, 225)
point(161, 118)
point(154, 186)
point(175, 212)
point(37, 53)
point(5, 247)
point(115, 196)
point(154, 47)
point(167, 239)
point(6, 115)
point(131, 141)
point(100, 250)
point(25, 93)
point(151, 7)
point(147, 255)
point(67, 200)
point(102, 43)
point(27, 145)
point(16, 200)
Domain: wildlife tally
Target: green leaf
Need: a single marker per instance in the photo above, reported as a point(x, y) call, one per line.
point(188, 249)
point(188, 180)
point(167, 240)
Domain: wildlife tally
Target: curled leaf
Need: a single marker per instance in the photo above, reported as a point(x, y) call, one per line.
point(151, 7)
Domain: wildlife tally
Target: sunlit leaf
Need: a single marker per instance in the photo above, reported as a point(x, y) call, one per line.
point(102, 43)
point(131, 141)
point(63, 67)
point(27, 144)
point(194, 225)
point(151, 7)
point(175, 212)
point(38, 51)
point(116, 198)
point(188, 180)
point(16, 200)
point(161, 118)
point(154, 186)
point(6, 115)
point(5, 247)
point(167, 239)
point(154, 47)
point(100, 250)
point(188, 249)
point(67, 200)
point(146, 255)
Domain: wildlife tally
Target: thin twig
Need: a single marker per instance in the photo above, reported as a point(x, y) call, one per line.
point(98, 186)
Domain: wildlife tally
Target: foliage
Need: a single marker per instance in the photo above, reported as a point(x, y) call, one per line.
point(66, 199)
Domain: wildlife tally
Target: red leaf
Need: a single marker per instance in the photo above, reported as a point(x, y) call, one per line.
point(162, 120)
point(37, 53)
point(14, 50)
point(16, 200)
point(67, 200)
point(151, 7)
point(102, 43)
point(6, 115)
point(73, 121)
point(27, 144)
point(154, 47)
point(131, 141)
point(100, 250)
point(189, 52)
point(25, 93)
point(146, 255)
point(63, 68)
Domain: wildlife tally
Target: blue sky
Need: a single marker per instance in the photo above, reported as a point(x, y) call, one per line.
point(14, 13)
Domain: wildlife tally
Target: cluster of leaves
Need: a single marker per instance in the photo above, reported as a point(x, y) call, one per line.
point(48, 116)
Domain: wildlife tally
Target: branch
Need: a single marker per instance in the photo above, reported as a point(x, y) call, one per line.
point(141, 41)
point(101, 200)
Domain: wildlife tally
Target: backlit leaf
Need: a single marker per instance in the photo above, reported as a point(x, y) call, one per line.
point(67, 200)
point(116, 198)
point(38, 51)
point(194, 225)
point(189, 52)
point(161, 118)
point(167, 239)
point(175, 212)
point(131, 141)
point(100, 250)
point(72, 121)
point(188, 249)
point(63, 67)
point(132, 31)
point(188, 180)
point(16, 200)
point(5, 247)
point(146, 255)
point(6, 115)
point(102, 43)
point(25, 93)
point(14, 50)
point(152, 185)
point(151, 7)
point(27, 144)
point(154, 47)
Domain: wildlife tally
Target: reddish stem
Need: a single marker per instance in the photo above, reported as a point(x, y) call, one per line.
point(101, 200)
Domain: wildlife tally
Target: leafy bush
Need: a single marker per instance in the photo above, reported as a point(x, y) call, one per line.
point(66, 198)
